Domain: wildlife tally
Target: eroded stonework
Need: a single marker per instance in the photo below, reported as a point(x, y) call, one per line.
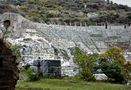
point(9, 73)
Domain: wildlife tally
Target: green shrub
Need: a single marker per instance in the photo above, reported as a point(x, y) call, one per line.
point(114, 72)
point(32, 74)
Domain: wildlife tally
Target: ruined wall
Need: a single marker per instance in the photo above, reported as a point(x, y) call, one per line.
point(9, 73)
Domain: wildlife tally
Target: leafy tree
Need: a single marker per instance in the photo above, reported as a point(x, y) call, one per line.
point(112, 64)
point(86, 63)
point(115, 54)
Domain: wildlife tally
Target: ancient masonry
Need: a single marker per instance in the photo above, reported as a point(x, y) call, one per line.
point(8, 68)
point(44, 41)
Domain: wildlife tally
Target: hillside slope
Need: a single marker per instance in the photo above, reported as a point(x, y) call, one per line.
point(71, 12)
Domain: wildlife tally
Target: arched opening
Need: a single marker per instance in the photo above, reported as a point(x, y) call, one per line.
point(6, 23)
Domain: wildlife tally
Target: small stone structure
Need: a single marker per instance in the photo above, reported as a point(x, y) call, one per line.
point(9, 72)
point(49, 68)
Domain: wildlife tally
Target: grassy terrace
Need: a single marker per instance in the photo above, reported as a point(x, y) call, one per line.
point(66, 84)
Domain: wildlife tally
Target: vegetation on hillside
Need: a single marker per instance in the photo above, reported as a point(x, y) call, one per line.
point(70, 11)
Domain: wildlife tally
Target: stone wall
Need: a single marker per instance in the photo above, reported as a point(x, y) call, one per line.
point(9, 73)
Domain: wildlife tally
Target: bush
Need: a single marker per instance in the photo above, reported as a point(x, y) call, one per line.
point(114, 72)
point(32, 74)
point(112, 64)
point(87, 75)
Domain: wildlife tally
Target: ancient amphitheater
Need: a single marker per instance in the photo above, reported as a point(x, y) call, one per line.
point(93, 39)
point(40, 40)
